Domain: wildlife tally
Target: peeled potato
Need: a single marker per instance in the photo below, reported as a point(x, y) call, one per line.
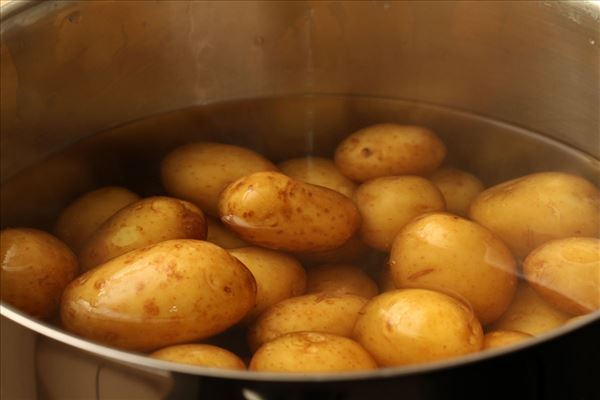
point(340, 278)
point(496, 339)
point(318, 171)
point(204, 355)
point(458, 187)
point(218, 234)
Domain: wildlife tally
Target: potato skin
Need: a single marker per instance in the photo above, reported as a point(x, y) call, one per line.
point(529, 211)
point(143, 223)
point(389, 149)
point(340, 278)
point(172, 292)
point(566, 273)
point(218, 234)
point(458, 187)
point(35, 268)
point(318, 171)
point(495, 339)
point(311, 352)
point(272, 210)
point(454, 255)
point(204, 355)
point(353, 250)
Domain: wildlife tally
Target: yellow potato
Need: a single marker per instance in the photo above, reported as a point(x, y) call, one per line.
point(274, 211)
point(566, 273)
point(278, 276)
point(387, 204)
point(204, 355)
point(315, 312)
point(389, 149)
point(496, 339)
point(353, 250)
point(221, 236)
point(168, 293)
point(458, 187)
point(35, 268)
point(145, 222)
point(456, 256)
point(311, 352)
point(199, 172)
point(340, 278)
point(414, 326)
point(532, 210)
point(386, 283)
point(318, 171)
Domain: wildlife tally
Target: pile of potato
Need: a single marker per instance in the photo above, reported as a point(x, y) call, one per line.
point(279, 252)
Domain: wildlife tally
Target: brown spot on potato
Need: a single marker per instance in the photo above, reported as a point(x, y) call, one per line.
point(227, 289)
point(99, 284)
point(366, 152)
point(421, 273)
point(151, 308)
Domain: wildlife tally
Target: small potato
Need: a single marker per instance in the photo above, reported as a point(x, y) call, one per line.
point(456, 256)
point(532, 210)
point(204, 355)
point(340, 278)
point(389, 149)
point(318, 171)
point(145, 222)
point(311, 352)
point(199, 172)
point(35, 268)
point(172, 292)
point(316, 312)
point(278, 276)
point(387, 204)
point(414, 326)
point(496, 339)
point(221, 236)
point(80, 219)
point(386, 283)
point(274, 211)
point(353, 250)
point(566, 273)
point(458, 187)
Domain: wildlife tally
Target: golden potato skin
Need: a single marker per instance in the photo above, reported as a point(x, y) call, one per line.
point(316, 312)
point(353, 250)
point(387, 204)
point(457, 256)
point(35, 268)
point(529, 211)
point(272, 210)
point(311, 352)
point(198, 172)
point(566, 273)
point(458, 187)
point(340, 278)
point(495, 339)
point(218, 234)
point(172, 292)
point(143, 223)
point(412, 326)
point(278, 276)
point(204, 355)
point(389, 149)
point(318, 171)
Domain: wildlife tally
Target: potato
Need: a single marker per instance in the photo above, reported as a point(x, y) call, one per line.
point(317, 312)
point(145, 222)
point(353, 250)
point(199, 172)
point(278, 276)
point(204, 355)
point(318, 171)
point(529, 211)
point(221, 236)
point(496, 339)
point(311, 352)
point(274, 211)
point(36, 267)
point(529, 313)
point(172, 292)
point(389, 149)
point(458, 187)
point(80, 219)
point(387, 204)
point(386, 283)
point(340, 278)
point(456, 256)
point(566, 273)
point(414, 326)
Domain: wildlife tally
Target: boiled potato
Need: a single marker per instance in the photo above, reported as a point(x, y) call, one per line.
point(454, 255)
point(318, 312)
point(318, 171)
point(458, 187)
point(386, 283)
point(274, 211)
point(389, 149)
point(340, 278)
point(530, 211)
point(35, 268)
point(145, 222)
point(353, 250)
point(414, 326)
point(311, 352)
point(80, 219)
point(566, 273)
point(496, 339)
point(168, 293)
point(387, 204)
point(278, 276)
point(204, 355)
point(199, 172)
point(221, 236)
